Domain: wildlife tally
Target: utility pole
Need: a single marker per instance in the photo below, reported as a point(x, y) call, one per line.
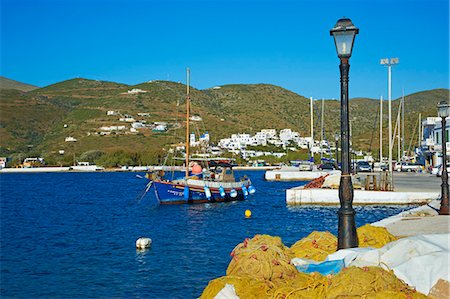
point(389, 62)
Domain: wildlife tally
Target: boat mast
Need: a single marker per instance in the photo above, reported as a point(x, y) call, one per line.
point(187, 121)
point(403, 124)
point(323, 110)
point(381, 130)
point(311, 106)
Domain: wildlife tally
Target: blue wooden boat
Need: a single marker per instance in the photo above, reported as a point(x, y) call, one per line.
point(216, 183)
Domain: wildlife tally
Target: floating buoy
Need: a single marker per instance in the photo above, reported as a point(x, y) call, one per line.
point(233, 193)
point(186, 192)
point(207, 192)
point(222, 192)
point(244, 191)
point(251, 190)
point(143, 243)
point(248, 213)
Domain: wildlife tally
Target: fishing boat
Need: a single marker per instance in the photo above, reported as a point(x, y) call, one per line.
point(205, 180)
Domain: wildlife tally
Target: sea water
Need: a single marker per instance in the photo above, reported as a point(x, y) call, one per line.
point(72, 235)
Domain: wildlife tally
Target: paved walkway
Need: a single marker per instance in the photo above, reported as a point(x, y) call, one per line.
point(422, 220)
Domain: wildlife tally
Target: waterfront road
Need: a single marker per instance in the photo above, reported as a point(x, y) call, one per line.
point(416, 182)
point(410, 181)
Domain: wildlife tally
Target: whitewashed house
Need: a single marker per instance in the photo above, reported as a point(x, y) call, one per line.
point(70, 139)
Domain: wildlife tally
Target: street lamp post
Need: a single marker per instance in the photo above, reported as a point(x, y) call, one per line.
point(336, 138)
point(443, 113)
point(344, 33)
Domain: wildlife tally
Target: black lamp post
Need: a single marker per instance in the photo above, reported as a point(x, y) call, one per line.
point(344, 33)
point(336, 138)
point(443, 113)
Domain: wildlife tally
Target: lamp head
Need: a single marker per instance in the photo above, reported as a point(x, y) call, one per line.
point(344, 33)
point(443, 109)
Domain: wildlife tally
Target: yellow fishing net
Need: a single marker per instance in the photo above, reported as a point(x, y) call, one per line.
point(263, 257)
point(303, 285)
point(260, 268)
point(316, 246)
point(374, 236)
point(368, 282)
point(246, 287)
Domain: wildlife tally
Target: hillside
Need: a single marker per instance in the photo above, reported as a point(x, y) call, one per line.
point(6, 83)
point(37, 122)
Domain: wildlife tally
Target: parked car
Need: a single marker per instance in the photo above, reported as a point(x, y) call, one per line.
point(439, 172)
point(407, 166)
point(327, 166)
point(303, 165)
point(380, 166)
point(363, 166)
point(435, 169)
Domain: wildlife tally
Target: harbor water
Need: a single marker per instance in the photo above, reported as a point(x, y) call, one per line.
point(72, 235)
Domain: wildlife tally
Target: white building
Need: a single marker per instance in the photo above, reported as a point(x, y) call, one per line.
point(286, 135)
point(112, 112)
point(431, 140)
point(159, 127)
point(270, 133)
point(204, 138)
point(112, 128)
point(138, 125)
point(127, 118)
point(70, 139)
point(195, 118)
point(136, 91)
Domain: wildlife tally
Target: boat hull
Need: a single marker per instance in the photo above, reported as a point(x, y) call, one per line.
point(172, 193)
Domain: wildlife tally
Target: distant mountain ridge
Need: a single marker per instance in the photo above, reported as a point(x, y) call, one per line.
point(38, 121)
point(6, 83)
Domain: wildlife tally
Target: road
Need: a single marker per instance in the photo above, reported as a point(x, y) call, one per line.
point(411, 181)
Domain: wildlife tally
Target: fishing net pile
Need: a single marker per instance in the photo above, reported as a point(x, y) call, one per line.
point(316, 246)
point(262, 257)
point(374, 236)
point(260, 268)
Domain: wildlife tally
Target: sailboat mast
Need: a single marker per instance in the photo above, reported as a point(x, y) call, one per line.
point(403, 123)
point(381, 130)
point(187, 120)
point(311, 106)
point(322, 114)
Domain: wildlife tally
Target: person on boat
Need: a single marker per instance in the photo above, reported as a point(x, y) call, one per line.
point(196, 170)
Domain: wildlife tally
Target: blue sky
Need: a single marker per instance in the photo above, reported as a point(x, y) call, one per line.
point(286, 43)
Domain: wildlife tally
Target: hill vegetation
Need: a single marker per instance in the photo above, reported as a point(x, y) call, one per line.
point(6, 83)
point(36, 123)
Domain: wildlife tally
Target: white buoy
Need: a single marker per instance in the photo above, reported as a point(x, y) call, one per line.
point(143, 243)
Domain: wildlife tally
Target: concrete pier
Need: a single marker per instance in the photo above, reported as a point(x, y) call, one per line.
point(293, 174)
point(361, 197)
point(410, 188)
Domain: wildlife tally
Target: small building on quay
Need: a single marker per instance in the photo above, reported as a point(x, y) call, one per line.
point(430, 151)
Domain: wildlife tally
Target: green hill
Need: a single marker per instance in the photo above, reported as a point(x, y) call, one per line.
point(6, 83)
point(37, 122)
